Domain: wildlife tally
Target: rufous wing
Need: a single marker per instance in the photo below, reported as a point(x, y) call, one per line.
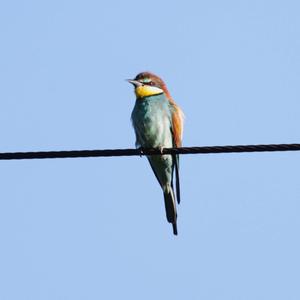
point(177, 125)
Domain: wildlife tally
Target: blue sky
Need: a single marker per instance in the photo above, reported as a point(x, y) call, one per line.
point(95, 228)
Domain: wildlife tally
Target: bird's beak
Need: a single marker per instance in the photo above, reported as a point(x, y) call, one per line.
point(134, 82)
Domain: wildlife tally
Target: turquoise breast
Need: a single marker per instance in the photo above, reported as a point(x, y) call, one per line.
point(151, 119)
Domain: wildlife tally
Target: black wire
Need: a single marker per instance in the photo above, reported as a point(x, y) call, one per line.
point(139, 152)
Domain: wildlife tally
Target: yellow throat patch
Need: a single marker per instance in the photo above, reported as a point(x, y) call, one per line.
point(147, 90)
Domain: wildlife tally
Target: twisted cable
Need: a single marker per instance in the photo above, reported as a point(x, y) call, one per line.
point(152, 151)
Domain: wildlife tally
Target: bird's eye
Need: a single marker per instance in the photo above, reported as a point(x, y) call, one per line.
point(151, 83)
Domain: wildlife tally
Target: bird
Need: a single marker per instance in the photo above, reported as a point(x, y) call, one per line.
point(158, 123)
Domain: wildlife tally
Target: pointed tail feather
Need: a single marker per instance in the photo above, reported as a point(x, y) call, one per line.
point(175, 228)
point(170, 206)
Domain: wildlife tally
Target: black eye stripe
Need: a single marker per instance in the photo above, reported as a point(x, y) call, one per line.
point(149, 83)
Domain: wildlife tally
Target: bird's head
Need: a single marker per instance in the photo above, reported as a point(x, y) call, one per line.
point(147, 84)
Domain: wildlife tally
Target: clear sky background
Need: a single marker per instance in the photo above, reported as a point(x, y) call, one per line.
point(95, 228)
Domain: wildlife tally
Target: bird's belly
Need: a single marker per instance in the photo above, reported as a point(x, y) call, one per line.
point(156, 132)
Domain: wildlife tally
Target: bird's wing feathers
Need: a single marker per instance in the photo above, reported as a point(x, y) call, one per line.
point(177, 125)
point(177, 129)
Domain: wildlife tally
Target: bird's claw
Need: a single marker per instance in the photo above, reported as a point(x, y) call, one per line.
point(161, 150)
point(141, 149)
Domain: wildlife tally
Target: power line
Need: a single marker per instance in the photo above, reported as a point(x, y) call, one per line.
point(139, 152)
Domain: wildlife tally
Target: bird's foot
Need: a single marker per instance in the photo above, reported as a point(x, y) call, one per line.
point(161, 149)
point(141, 149)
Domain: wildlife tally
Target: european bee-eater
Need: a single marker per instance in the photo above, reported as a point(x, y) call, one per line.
point(158, 123)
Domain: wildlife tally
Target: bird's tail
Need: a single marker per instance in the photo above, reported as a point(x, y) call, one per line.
point(170, 205)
